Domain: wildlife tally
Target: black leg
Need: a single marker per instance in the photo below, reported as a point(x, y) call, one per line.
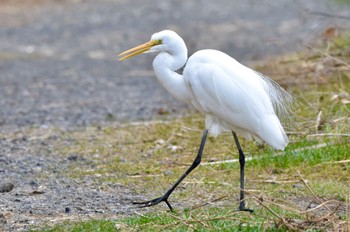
point(241, 164)
point(165, 197)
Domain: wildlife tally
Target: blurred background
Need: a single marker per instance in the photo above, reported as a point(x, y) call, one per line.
point(58, 58)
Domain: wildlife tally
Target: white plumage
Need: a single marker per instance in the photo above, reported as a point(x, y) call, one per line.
point(232, 96)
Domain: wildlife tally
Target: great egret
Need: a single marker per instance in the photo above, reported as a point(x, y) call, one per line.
point(232, 97)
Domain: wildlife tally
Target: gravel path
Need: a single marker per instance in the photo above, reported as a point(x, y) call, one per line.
point(59, 68)
point(59, 63)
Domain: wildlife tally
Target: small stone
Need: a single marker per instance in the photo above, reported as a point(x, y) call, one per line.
point(168, 172)
point(73, 157)
point(172, 148)
point(2, 219)
point(6, 187)
point(298, 186)
point(312, 205)
point(67, 210)
point(119, 226)
point(37, 169)
point(33, 183)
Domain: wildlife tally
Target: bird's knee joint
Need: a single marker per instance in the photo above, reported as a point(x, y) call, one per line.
point(196, 162)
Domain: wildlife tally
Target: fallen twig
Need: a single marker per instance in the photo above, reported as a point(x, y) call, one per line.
point(141, 215)
point(335, 162)
point(329, 134)
point(312, 192)
point(276, 181)
point(182, 221)
point(327, 55)
point(288, 225)
point(207, 203)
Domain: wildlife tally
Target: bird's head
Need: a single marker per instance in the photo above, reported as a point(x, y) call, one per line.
point(161, 41)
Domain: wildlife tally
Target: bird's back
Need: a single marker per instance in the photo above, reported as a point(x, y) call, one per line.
point(235, 97)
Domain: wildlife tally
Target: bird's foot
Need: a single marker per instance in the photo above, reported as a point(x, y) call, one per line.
point(154, 202)
point(247, 210)
point(243, 208)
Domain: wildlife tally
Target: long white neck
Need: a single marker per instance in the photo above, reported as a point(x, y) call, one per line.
point(165, 66)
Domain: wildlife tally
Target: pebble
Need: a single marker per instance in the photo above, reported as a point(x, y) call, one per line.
point(298, 185)
point(67, 210)
point(6, 187)
point(72, 157)
point(168, 172)
point(2, 219)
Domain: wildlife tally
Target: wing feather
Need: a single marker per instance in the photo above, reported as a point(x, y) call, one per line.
point(234, 97)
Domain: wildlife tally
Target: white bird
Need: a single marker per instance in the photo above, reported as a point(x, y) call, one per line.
point(232, 97)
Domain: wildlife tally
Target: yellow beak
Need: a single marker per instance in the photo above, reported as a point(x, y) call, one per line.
point(139, 49)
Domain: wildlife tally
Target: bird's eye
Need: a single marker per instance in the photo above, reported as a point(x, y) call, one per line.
point(159, 41)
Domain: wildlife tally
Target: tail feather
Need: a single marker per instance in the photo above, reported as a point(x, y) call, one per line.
point(273, 133)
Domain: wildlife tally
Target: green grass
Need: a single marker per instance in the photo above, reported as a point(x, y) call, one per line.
point(214, 219)
point(314, 168)
point(342, 1)
point(92, 225)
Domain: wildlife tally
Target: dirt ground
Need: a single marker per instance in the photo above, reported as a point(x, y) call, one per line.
point(59, 69)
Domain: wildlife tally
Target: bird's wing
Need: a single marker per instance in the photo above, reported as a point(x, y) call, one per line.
point(216, 93)
point(235, 96)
